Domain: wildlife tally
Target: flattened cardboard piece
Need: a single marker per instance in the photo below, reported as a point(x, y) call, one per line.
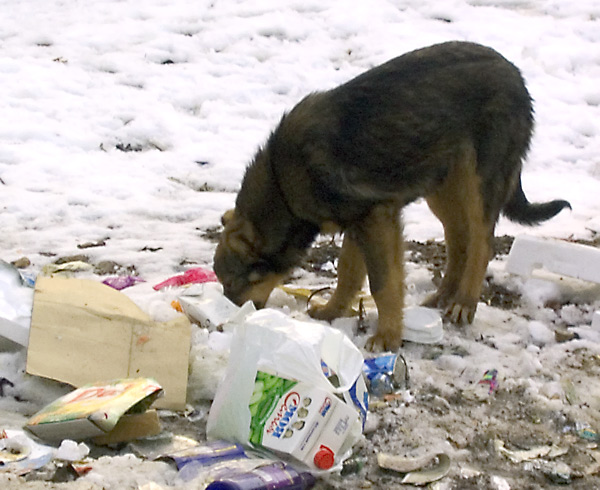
point(82, 331)
point(98, 409)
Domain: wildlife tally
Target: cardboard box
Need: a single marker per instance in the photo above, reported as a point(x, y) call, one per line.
point(98, 409)
point(82, 331)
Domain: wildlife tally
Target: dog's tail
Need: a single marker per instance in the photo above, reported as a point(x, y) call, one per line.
point(520, 210)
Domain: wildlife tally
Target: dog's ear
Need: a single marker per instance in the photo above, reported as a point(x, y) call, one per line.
point(241, 237)
point(227, 216)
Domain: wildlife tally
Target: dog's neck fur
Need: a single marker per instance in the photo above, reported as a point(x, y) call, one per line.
point(261, 200)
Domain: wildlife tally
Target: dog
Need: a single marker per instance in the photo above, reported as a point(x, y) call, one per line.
point(450, 123)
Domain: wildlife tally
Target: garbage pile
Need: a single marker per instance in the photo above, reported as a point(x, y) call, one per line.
point(295, 399)
point(291, 406)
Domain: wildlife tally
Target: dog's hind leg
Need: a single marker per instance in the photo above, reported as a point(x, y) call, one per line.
point(458, 203)
point(351, 276)
point(456, 232)
point(461, 308)
point(379, 237)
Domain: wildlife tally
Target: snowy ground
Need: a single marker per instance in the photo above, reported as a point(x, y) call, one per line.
point(132, 122)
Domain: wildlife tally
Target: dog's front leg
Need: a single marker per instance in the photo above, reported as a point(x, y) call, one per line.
point(351, 276)
point(380, 239)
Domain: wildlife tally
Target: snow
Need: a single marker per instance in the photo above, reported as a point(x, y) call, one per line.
point(133, 122)
point(540, 333)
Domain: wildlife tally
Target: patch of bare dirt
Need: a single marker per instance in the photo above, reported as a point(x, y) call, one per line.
point(432, 254)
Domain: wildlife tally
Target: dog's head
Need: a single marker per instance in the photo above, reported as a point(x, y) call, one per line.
point(241, 265)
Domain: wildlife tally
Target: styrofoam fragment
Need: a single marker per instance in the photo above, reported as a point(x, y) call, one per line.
point(596, 320)
point(556, 256)
point(422, 325)
point(15, 305)
point(212, 309)
point(71, 451)
point(15, 332)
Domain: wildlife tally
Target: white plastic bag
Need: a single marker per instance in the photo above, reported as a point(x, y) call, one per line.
point(270, 341)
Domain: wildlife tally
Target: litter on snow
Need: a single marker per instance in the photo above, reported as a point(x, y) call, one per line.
point(490, 378)
point(196, 275)
point(223, 465)
point(66, 269)
point(293, 404)
point(109, 412)
point(418, 471)
point(20, 454)
point(557, 256)
point(277, 394)
point(421, 325)
point(386, 374)
point(122, 282)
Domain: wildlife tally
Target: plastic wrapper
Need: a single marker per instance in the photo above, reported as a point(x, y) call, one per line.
point(122, 282)
point(191, 276)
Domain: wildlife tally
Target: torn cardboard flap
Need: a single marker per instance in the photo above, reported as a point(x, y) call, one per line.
point(131, 427)
point(113, 411)
point(83, 331)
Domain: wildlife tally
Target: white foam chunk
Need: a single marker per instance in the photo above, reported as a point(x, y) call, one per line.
point(210, 308)
point(556, 256)
point(596, 320)
point(71, 451)
point(422, 325)
point(15, 305)
point(15, 332)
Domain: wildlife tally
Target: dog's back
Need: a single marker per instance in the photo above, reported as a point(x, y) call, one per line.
point(395, 131)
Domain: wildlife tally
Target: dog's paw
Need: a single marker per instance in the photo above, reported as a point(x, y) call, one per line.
point(439, 299)
point(382, 343)
point(324, 312)
point(460, 313)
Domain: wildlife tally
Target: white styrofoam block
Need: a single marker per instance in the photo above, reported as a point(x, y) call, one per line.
point(208, 311)
point(556, 256)
point(15, 332)
point(596, 320)
point(210, 308)
point(15, 305)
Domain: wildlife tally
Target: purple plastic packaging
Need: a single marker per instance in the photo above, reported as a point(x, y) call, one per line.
point(208, 454)
point(121, 282)
point(270, 477)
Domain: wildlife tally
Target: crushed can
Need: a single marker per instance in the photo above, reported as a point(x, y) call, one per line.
point(386, 374)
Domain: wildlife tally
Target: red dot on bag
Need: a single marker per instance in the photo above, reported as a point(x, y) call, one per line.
point(324, 458)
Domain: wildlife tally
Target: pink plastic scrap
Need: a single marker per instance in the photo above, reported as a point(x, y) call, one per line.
point(122, 282)
point(490, 377)
point(191, 276)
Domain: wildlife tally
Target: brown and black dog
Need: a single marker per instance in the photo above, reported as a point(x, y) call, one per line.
point(450, 123)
